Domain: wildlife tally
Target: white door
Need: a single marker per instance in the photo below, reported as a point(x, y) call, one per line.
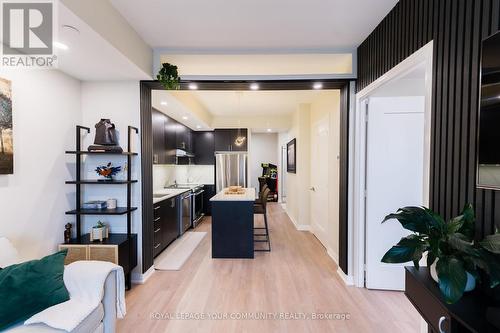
point(320, 152)
point(394, 179)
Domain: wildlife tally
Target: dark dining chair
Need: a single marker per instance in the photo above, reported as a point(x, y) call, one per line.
point(261, 208)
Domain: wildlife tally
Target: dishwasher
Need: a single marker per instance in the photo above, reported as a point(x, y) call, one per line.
point(186, 211)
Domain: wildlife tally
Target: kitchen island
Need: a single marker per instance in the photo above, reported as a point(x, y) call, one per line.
point(232, 224)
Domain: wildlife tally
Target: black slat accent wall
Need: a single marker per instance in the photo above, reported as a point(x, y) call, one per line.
point(146, 176)
point(457, 28)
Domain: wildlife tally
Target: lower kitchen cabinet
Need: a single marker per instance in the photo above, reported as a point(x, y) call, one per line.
point(166, 222)
point(207, 204)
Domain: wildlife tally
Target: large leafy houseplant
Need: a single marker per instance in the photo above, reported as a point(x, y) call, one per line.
point(451, 244)
point(169, 76)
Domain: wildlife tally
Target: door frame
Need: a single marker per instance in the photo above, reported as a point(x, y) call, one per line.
point(358, 137)
point(346, 87)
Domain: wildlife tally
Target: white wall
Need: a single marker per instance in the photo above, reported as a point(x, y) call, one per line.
point(118, 101)
point(46, 108)
point(328, 105)
point(263, 148)
point(297, 184)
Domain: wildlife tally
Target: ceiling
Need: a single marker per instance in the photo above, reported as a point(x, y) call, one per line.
point(89, 57)
point(261, 111)
point(240, 25)
point(254, 103)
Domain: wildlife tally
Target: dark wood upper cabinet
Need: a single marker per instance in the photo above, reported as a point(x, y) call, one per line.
point(184, 138)
point(204, 148)
point(158, 126)
point(170, 139)
point(225, 139)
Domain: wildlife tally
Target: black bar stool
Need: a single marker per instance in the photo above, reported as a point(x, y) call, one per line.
point(259, 200)
point(261, 208)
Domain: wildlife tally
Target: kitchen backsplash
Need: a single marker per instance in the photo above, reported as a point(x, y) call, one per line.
point(166, 174)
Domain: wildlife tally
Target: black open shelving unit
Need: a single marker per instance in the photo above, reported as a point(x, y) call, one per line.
point(78, 212)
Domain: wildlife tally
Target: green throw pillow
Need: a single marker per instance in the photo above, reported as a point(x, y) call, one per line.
point(31, 287)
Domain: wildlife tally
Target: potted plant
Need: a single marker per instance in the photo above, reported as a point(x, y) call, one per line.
point(99, 231)
point(169, 77)
point(452, 253)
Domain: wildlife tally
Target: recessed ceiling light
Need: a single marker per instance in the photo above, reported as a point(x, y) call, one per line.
point(60, 46)
point(185, 117)
point(317, 85)
point(163, 103)
point(254, 86)
point(70, 28)
point(193, 86)
point(269, 130)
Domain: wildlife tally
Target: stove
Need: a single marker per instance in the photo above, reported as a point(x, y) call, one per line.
point(196, 201)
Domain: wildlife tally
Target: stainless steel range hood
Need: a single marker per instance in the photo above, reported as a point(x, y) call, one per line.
point(183, 153)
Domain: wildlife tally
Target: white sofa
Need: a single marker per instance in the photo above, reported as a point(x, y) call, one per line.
point(101, 320)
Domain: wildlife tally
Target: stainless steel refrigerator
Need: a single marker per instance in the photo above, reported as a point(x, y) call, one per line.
point(230, 170)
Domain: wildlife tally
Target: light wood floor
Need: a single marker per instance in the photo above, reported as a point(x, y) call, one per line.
point(296, 277)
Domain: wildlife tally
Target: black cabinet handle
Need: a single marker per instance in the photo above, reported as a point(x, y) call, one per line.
point(172, 203)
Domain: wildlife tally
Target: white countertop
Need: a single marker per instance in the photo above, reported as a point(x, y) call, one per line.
point(222, 196)
point(167, 194)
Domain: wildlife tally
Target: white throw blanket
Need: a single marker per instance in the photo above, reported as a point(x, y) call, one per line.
point(85, 283)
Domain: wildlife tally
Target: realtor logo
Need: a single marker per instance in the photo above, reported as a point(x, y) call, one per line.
point(27, 33)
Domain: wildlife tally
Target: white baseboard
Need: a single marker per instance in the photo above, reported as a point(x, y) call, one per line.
point(299, 227)
point(348, 279)
point(332, 255)
point(138, 278)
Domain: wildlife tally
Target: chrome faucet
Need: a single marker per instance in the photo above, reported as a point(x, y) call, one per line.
point(174, 185)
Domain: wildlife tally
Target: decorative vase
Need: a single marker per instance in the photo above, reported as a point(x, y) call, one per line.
point(471, 280)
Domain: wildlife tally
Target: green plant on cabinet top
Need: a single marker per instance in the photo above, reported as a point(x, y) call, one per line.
point(169, 77)
point(449, 245)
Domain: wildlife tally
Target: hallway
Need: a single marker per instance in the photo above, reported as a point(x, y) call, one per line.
point(297, 278)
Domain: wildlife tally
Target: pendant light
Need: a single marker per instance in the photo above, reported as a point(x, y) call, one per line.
point(240, 140)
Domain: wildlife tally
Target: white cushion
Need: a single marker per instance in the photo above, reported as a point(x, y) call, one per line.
point(8, 253)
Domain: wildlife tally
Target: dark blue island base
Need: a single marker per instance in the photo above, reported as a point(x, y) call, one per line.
point(232, 229)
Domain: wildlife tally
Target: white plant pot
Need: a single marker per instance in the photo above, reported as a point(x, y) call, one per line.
point(471, 280)
point(99, 233)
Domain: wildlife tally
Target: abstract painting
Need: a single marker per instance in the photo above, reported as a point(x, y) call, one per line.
point(291, 156)
point(6, 146)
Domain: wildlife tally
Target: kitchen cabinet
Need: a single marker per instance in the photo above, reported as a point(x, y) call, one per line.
point(225, 139)
point(169, 135)
point(207, 195)
point(159, 144)
point(165, 224)
point(203, 147)
point(183, 138)
point(170, 139)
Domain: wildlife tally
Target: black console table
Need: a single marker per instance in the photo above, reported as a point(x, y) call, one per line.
point(469, 314)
